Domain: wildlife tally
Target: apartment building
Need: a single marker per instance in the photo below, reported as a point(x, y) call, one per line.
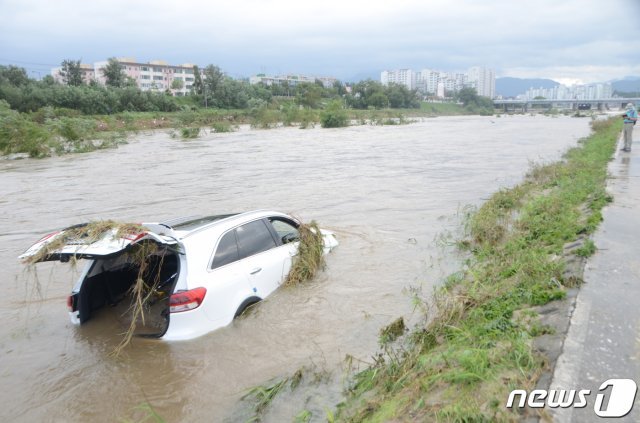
point(291, 80)
point(483, 80)
point(427, 81)
point(441, 84)
point(156, 75)
point(406, 77)
point(575, 92)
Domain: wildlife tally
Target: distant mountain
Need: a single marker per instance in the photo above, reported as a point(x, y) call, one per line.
point(362, 76)
point(511, 87)
point(630, 84)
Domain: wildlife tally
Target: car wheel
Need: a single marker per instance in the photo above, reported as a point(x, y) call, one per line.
point(246, 304)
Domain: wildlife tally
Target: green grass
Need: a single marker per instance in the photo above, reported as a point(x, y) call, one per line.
point(51, 131)
point(462, 363)
point(263, 395)
point(587, 250)
point(443, 108)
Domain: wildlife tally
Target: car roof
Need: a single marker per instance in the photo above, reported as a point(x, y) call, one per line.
point(188, 225)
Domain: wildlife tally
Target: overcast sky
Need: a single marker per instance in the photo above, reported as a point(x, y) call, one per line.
point(565, 40)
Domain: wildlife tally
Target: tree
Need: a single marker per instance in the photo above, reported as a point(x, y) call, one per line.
point(196, 87)
point(339, 89)
point(308, 95)
point(13, 75)
point(213, 76)
point(231, 94)
point(364, 91)
point(71, 72)
point(48, 80)
point(467, 96)
point(472, 101)
point(401, 97)
point(177, 84)
point(378, 100)
point(114, 73)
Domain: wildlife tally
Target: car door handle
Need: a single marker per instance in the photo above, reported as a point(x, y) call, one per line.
point(256, 270)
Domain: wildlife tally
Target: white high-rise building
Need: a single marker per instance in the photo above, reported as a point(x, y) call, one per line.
point(405, 77)
point(575, 92)
point(483, 80)
point(427, 81)
point(441, 84)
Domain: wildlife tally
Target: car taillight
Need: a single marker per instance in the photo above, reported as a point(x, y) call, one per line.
point(47, 236)
point(70, 302)
point(186, 300)
point(133, 237)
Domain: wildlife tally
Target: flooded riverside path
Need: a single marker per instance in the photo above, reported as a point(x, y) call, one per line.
point(386, 191)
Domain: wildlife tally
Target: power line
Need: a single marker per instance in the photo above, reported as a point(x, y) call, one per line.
point(26, 63)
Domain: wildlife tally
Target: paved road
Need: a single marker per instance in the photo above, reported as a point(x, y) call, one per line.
point(603, 341)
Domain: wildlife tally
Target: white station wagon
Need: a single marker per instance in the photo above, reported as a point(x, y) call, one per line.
point(207, 271)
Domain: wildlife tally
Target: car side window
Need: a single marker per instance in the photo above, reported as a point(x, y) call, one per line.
point(254, 238)
point(227, 251)
point(287, 231)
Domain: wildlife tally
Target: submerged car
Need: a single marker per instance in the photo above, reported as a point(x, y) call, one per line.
point(199, 274)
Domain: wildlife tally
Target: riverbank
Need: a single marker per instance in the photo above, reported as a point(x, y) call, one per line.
point(57, 131)
point(478, 342)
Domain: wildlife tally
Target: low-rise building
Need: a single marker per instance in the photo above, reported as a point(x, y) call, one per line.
point(156, 75)
point(86, 70)
point(291, 80)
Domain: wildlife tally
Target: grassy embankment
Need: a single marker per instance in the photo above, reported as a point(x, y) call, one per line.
point(52, 131)
point(477, 347)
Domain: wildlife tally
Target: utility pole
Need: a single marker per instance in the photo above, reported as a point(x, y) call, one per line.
point(204, 87)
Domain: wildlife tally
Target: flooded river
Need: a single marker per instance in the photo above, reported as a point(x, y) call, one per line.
point(386, 191)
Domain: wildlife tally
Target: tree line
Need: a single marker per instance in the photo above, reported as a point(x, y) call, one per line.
point(211, 89)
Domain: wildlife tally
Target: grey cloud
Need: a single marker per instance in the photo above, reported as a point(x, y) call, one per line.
point(317, 37)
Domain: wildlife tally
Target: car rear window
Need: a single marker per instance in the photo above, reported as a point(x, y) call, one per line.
point(227, 251)
point(254, 238)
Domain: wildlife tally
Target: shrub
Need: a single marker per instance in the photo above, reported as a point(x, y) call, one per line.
point(20, 135)
point(334, 115)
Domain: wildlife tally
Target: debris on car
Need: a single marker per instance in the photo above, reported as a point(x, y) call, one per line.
point(180, 279)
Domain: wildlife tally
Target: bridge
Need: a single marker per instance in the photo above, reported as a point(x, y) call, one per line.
point(573, 104)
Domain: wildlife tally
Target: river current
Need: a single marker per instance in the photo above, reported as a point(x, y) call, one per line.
point(388, 192)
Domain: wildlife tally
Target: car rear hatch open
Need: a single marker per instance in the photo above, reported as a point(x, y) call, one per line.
point(125, 268)
point(95, 240)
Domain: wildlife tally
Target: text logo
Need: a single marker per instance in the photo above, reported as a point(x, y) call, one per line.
point(619, 404)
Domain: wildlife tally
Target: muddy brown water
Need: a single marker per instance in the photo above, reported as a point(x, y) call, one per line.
point(388, 192)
